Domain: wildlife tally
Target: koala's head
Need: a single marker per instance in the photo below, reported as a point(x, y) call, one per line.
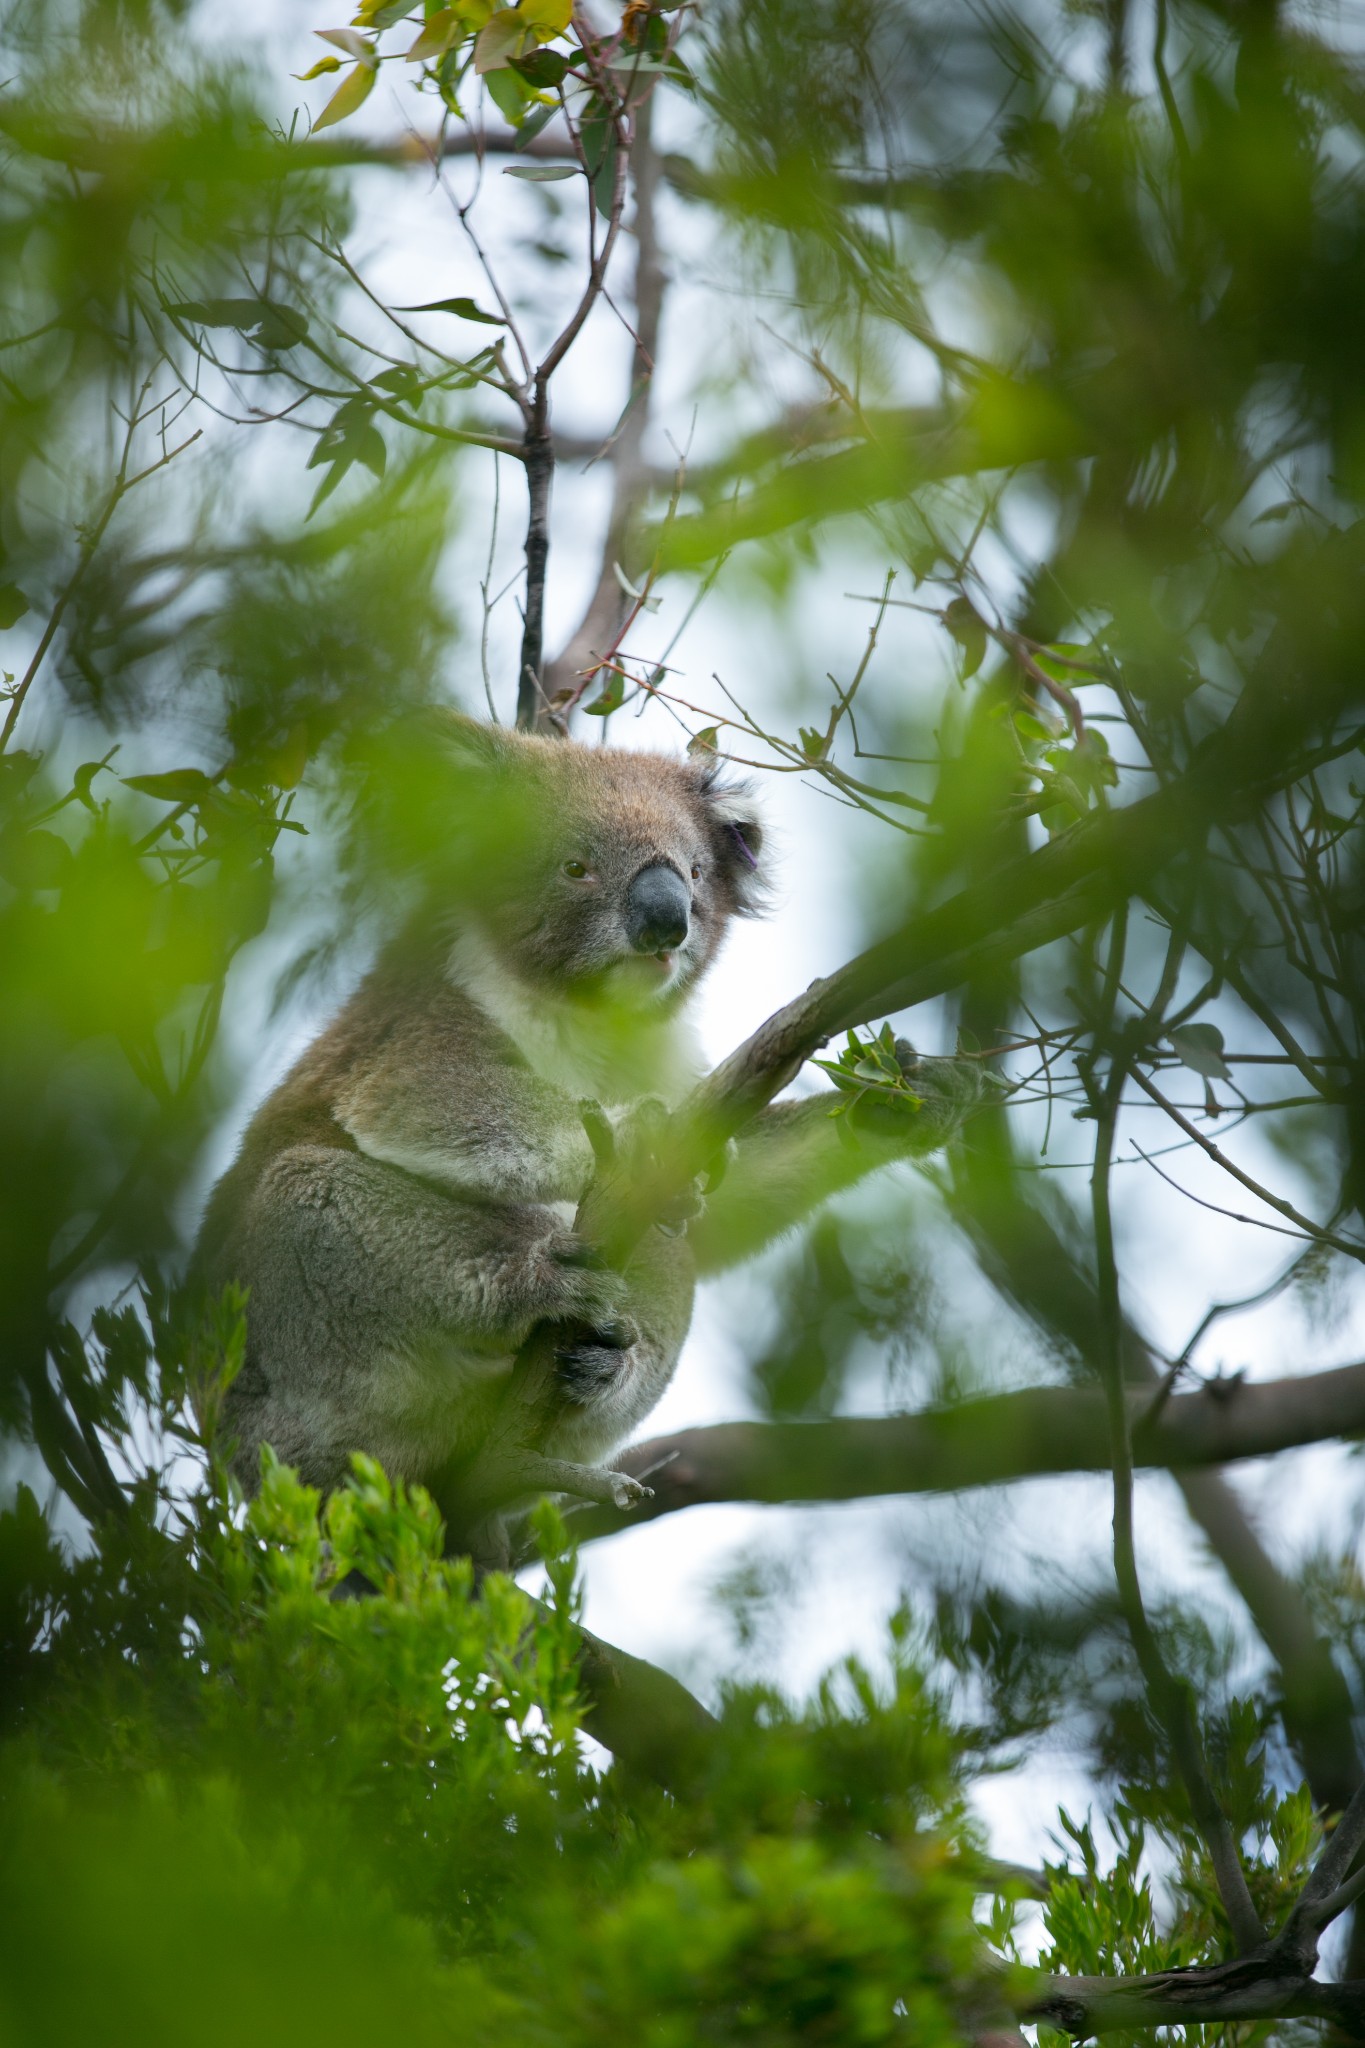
point(608, 874)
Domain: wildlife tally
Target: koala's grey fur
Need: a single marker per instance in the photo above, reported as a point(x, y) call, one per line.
point(400, 1207)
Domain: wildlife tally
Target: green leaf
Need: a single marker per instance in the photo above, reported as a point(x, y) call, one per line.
point(380, 14)
point(681, 74)
point(13, 605)
point(547, 17)
point(176, 786)
point(318, 70)
point(501, 38)
point(463, 309)
point(35, 860)
point(543, 69)
point(595, 130)
point(509, 94)
point(613, 692)
point(541, 174)
point(346, 39)
point(243, 314)
point(1200, 1048)
point(405, 384)
point(284, 765)
point(368, 447)
point(269, 323)
point(604, 184)
point(351, 94)
point(327, 485)
point(706, 741)
point(17, 768)
point(538, 117)
point(280, 327)
point(439, 33)
point(969, 631)
point(1033, 728)
point(82, 779)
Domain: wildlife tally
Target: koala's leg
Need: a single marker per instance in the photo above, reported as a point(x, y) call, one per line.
point(383, 1312)
point(793, 1155)
point(608, 1388)
point(603, 1379)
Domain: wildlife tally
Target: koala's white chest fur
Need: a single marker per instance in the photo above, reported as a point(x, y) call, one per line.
point(574, 1048)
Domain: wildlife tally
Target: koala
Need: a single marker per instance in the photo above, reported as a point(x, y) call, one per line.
point(400, 1211)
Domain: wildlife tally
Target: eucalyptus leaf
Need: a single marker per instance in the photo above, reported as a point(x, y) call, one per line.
point(1200, 1048)
point(175, 786)
point(36, 860)
point(350, 95)
point(462, 308)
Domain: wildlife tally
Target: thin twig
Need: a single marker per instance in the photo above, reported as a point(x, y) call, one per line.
point(1306, 1224)
point(1168, 1696)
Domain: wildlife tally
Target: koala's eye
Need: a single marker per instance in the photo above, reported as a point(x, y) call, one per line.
point(696, 874)
point(575, 870)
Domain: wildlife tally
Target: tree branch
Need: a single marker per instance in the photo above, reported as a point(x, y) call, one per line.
point(631, 480)
point(644, 1716)
point(1169, 1697)
point(1019, 906)
point(994, 1440)
point(1028, 1254)
point(538, 446)
point(1250, 1989)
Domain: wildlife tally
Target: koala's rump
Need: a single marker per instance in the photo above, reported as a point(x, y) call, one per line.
point(381, 1313)
point(384, 1314)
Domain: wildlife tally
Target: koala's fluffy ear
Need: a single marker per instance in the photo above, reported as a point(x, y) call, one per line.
point(442, 801)
point(470, 742)
point(740, 837)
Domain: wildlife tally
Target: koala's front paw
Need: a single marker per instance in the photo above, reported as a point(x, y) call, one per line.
point(634, 1138)
point(592, 1359)
point(921, 1113)
point(640, 1130)
point(685, 1208)
point(581, 1288)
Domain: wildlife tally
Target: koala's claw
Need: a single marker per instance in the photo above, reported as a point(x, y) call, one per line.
point(523, 1475)
point(627, 1492)
point(587, 1291)
point(720, 1166)
point(578, 1255)
point(616, 1335)
point(690, 1205)
point(685, 1208)
point(598, 1126)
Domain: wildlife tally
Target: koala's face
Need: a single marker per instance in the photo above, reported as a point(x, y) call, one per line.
point(625, 872)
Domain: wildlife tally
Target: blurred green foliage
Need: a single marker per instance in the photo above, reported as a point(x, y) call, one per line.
point(185, 656)
point(237, 1795)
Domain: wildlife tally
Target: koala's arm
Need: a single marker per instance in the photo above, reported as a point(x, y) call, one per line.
point(467, 1117)
point(793, 1155)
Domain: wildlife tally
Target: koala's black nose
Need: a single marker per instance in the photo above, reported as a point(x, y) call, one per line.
point(657, 910)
